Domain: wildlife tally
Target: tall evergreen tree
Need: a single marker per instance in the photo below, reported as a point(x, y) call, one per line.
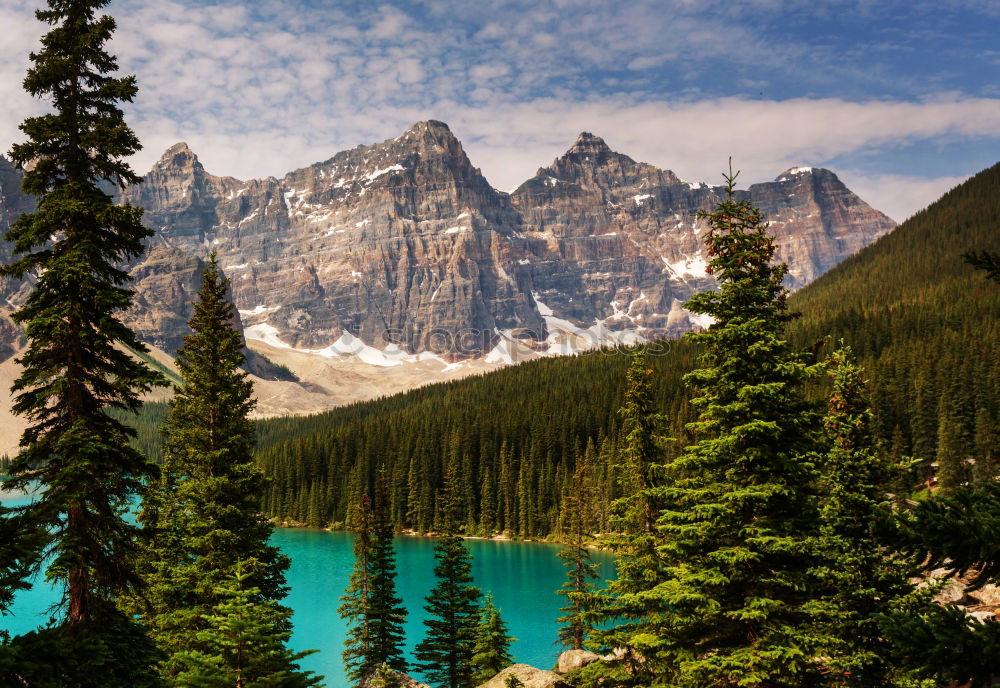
point(491, 653)
point(741, 502)
point(203, 518)
point(240, 647)
point(860, 580)
point(370, 605)
point(985, 444)
point(76, 366)
point(354, 607)
point(580, 569)
point(386, 611)
point(631, 609)
point(445, 654)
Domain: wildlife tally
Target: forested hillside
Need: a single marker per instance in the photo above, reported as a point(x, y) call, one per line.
point(513, 435)
point(923, 323)
point(926, 327)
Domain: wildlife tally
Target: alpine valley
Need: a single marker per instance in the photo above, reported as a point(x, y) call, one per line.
point(393, 265)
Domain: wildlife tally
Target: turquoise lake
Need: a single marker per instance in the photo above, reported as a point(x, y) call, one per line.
point(523, 578)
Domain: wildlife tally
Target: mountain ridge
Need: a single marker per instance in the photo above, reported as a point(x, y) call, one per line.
point(405, 247)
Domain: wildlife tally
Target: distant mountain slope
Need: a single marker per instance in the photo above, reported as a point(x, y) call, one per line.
point(927, 328)
point(925, 324)
point(402, 252)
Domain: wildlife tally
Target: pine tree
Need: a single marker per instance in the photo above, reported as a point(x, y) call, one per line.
point(240, 645)
point(740, 502)
point(444, 656)
point(951, 466)
point(203, 518)
point(860, 580)
point(355, 603)
point(632, 603)
point(987, 261)
point(381, 617)
point(77, 364)
point(986, 450)
point(491, 653)
point(580, 569)
point(487, 505)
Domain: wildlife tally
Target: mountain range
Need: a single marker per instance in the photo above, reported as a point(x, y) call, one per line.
point(402, 255)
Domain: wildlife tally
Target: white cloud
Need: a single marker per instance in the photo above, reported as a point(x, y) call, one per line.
point(763, 137)
point(260, 89)
point(898, 196)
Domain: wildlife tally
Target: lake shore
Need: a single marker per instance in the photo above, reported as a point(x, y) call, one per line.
point(287, 525)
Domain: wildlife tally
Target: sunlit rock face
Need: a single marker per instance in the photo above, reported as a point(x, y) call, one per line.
point(403, 247)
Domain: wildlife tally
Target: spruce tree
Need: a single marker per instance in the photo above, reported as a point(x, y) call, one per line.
point(580, 569)
point(860, 581)
point(491, 653)
point(354, 605)
point(627, 616)
point(203, 517)
point(244, 642)
point(951, 451)
point(386, 611)
point(77, 366)
point(986, 449)
point(370, 605)
point(444, 656)
point(740, 506)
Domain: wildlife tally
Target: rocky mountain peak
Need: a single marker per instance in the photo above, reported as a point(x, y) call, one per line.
point(793, 173)
point(429, 132)
point(429, 125)
point(178, 155)
point(588, 143)
point(179, 147)
point(403, 243)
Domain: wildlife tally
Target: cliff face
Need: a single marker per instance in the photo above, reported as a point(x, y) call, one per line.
point(404, 244)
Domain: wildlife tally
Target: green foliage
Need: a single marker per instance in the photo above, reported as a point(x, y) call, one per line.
point(956, 530)
point(370, 606)
point(741, 500)
point(75, 368)
point(19, 554)
point(581, 571)
point(202, 518)
point(518, 440)
point(491, 652)
point(243, 642)
point(445, 654)
point(925, 327)
point(628, 614)
point(945, 645)
point(354, 607)
point(111, 650)
point(860, 579)
point(513, 681)
point(986, 261)
point(147, 426)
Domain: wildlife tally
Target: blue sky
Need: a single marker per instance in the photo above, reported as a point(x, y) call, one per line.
point(901, 99)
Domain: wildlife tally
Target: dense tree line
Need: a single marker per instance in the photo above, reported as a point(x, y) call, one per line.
point(921, 322)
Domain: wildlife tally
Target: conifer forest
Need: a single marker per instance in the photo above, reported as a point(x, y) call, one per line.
point(785, 492)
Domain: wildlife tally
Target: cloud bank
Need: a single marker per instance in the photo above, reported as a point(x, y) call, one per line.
point(262, 88)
